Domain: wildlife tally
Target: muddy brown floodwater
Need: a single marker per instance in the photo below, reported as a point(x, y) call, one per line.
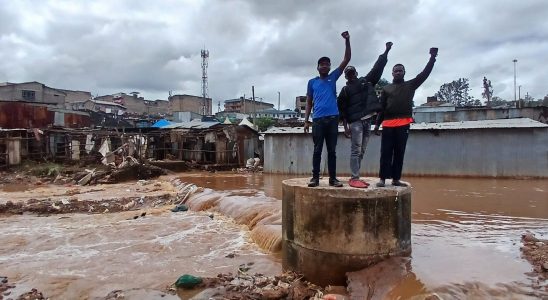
point(465, 234)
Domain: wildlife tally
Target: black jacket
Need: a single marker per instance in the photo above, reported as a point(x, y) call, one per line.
point(397, 98)
point(352, 100)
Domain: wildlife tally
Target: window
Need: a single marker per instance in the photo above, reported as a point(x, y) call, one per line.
point(28, 95)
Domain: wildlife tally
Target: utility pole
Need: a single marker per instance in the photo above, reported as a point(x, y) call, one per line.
point(253, 95)
point(278, 101)
point(515, 61)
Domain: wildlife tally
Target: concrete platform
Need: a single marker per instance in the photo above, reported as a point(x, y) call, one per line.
point(329, 231)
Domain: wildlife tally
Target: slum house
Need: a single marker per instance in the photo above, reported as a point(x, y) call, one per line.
point(10, 146)
point(33, 115)
point(204, 143)
point(107, 145)
point(213, 143)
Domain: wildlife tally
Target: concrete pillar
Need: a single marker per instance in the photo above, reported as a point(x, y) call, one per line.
point(329, 231)
point(14, 151)
point(75, 147)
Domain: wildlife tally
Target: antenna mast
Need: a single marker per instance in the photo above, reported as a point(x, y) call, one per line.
point(205, 58)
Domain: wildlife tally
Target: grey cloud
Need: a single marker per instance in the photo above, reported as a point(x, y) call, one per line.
point(154, 47)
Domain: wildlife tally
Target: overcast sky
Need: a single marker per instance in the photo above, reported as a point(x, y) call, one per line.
point(154, 46)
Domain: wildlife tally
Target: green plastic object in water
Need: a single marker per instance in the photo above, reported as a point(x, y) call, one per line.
point(188, 281)
point(180, 207)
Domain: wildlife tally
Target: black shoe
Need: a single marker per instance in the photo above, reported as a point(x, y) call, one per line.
point(335, 182)
point(314, 182)
point(398, 183)
point(380, 183)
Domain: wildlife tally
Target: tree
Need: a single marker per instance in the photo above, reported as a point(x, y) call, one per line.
point(263, 123)
point(498, 101)
point(545, 101)
point(456, 92)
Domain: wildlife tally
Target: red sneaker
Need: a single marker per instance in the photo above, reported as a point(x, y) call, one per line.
point(357, 183)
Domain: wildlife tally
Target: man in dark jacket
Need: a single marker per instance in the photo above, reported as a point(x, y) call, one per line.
point(397, 104)
point(356, 112)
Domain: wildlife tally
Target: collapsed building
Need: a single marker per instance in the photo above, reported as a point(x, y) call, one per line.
point(209, 144)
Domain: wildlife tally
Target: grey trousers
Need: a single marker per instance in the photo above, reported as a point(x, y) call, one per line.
point(360, 130)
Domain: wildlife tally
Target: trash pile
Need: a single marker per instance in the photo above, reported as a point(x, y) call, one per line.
point(243, 286)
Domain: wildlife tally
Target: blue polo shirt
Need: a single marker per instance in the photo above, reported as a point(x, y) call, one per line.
point(324, 94)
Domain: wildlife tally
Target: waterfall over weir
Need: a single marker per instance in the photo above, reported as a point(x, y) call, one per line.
point(261, 214)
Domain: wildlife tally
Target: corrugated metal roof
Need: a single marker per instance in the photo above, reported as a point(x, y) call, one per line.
point(192, 124)
point(107, 103)
point(12, 129)
point(499, 123)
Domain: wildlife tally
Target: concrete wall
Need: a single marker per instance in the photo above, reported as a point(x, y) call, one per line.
point(75, 96)
point(190, 103)
point(42, 93)
point(535, 113)
point(137, 105)
point(157, 107)
point(489, 152)
point(300, 103)
point(246, 106)
point(185, 116)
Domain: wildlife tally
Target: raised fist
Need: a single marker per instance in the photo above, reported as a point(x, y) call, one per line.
point(345, 35)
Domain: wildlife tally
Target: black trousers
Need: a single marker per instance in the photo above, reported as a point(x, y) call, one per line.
point(325, 129)
point(393, 143)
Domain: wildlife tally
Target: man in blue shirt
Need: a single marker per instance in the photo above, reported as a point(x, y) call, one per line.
point(322, 93)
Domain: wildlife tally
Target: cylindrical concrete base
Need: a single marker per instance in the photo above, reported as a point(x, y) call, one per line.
point(329, 231)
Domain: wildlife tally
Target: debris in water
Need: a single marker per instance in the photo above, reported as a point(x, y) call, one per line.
point(179, 207)
point(535, 251)
point(188, 281)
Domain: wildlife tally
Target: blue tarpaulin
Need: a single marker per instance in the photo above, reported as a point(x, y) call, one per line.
point(161, 123)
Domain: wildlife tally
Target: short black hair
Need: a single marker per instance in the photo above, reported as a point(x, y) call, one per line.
point(398, 65)
point(324, 59)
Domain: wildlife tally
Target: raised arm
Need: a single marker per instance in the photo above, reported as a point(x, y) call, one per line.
point(376, 72)
point(347, 52)
point(417, 81)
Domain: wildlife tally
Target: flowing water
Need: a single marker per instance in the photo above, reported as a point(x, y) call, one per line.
point(465, 235)
point(465, 232)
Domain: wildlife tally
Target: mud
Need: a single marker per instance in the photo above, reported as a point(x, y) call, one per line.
point(535, 251)
point(51, 173)
point(6, 293)
point(47, 199)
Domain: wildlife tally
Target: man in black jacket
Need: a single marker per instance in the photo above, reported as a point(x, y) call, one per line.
point(356, 111)
point(397, 104)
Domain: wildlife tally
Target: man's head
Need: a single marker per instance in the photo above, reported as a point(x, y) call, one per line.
point(398, 71)
point(350, 73)
point(324, 65)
